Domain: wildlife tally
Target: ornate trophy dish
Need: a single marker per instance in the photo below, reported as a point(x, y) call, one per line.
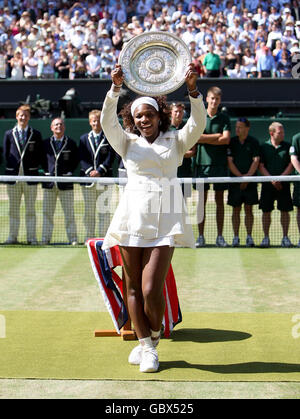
point(154, 63)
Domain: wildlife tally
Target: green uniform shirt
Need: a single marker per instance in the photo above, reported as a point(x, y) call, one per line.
point(214, 155)
point(275, 159)
point(243, 153)
point(212, 61)
point(295, 148)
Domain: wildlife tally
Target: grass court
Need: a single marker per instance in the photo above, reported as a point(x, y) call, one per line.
point(239, 337)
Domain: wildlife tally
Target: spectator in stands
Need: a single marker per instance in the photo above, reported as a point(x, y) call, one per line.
point(212, 63)
point(258, 14)
point(93, 63)
point(288, 36)
point(277, 49)
point(62, 42)
point(246, 37)
point(8, 56)
point(23, 155)
point(194, 13)
point(219, 35)
point(294, 50)
point(260, 36)
point(119, 13)
point(143, 7)
point(295, 159)
point(80, 68)
point(77, 37)
point(248, 61)
point(287, 17)
point(66, 26)
point(237, 73)
point(233, 16)
point(76, 9)
point(46, 68)
point(96, 160)
point(34, 36)
point(104, 40)
point(221, 51)
point(108, 58)
point(231, 58)
point(148, 18)
point(62, 65)
point(17, 65)
point(266, 64)
point(253, 73)
point(76, 17)
point(202, 35)
point(284, 66)
point(91, 37)
point(243, 160)
point(117, 39)
point(178, 13)
point(55, 52)
point(275, 161)
point(274, 15)
point(295, 10)
point(273, 35)
point(30, 65)
point(284, 48)
point(61, 159)
point(84, 51)
point(7, 16)
point(189, 34)
point(211, 159)
point(106, 21)
point(40, 50)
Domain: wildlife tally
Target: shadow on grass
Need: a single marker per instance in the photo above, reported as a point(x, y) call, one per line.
point(242, 368)
point(207, 335)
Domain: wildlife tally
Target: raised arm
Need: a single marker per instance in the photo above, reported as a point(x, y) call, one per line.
point(112, 129)
point(196, 123)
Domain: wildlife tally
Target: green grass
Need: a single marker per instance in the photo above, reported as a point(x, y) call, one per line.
point(209, 280)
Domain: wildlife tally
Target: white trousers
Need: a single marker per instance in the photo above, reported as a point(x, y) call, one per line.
point(15, 193)
point(96, 200)
point(66, 198)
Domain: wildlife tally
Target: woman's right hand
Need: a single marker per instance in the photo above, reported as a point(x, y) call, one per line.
point(117, 75)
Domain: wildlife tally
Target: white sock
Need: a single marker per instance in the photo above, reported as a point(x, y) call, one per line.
point(155, 336)
point(146, 342)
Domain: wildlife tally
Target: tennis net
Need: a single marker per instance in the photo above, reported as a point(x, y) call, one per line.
point(85, 211)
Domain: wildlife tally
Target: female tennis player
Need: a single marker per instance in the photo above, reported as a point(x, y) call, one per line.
point(150, 219)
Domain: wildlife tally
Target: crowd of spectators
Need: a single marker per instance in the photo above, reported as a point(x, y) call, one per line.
point(67, 39)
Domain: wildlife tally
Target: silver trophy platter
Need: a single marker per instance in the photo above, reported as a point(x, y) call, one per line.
point(154, 63)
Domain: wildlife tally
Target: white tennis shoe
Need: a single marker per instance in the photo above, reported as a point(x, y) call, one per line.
point(135, 355)
point(149, 362)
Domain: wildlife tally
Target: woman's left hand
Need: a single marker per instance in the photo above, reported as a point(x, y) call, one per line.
point(191, 77)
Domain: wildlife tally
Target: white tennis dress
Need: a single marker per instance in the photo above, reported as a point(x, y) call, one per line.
point(151, 211)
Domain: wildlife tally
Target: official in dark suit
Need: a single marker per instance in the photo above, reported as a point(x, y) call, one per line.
point(96, 160)
point(61, 159)
point(23, 156)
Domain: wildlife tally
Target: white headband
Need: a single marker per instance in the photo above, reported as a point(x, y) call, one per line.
point(144, 100)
